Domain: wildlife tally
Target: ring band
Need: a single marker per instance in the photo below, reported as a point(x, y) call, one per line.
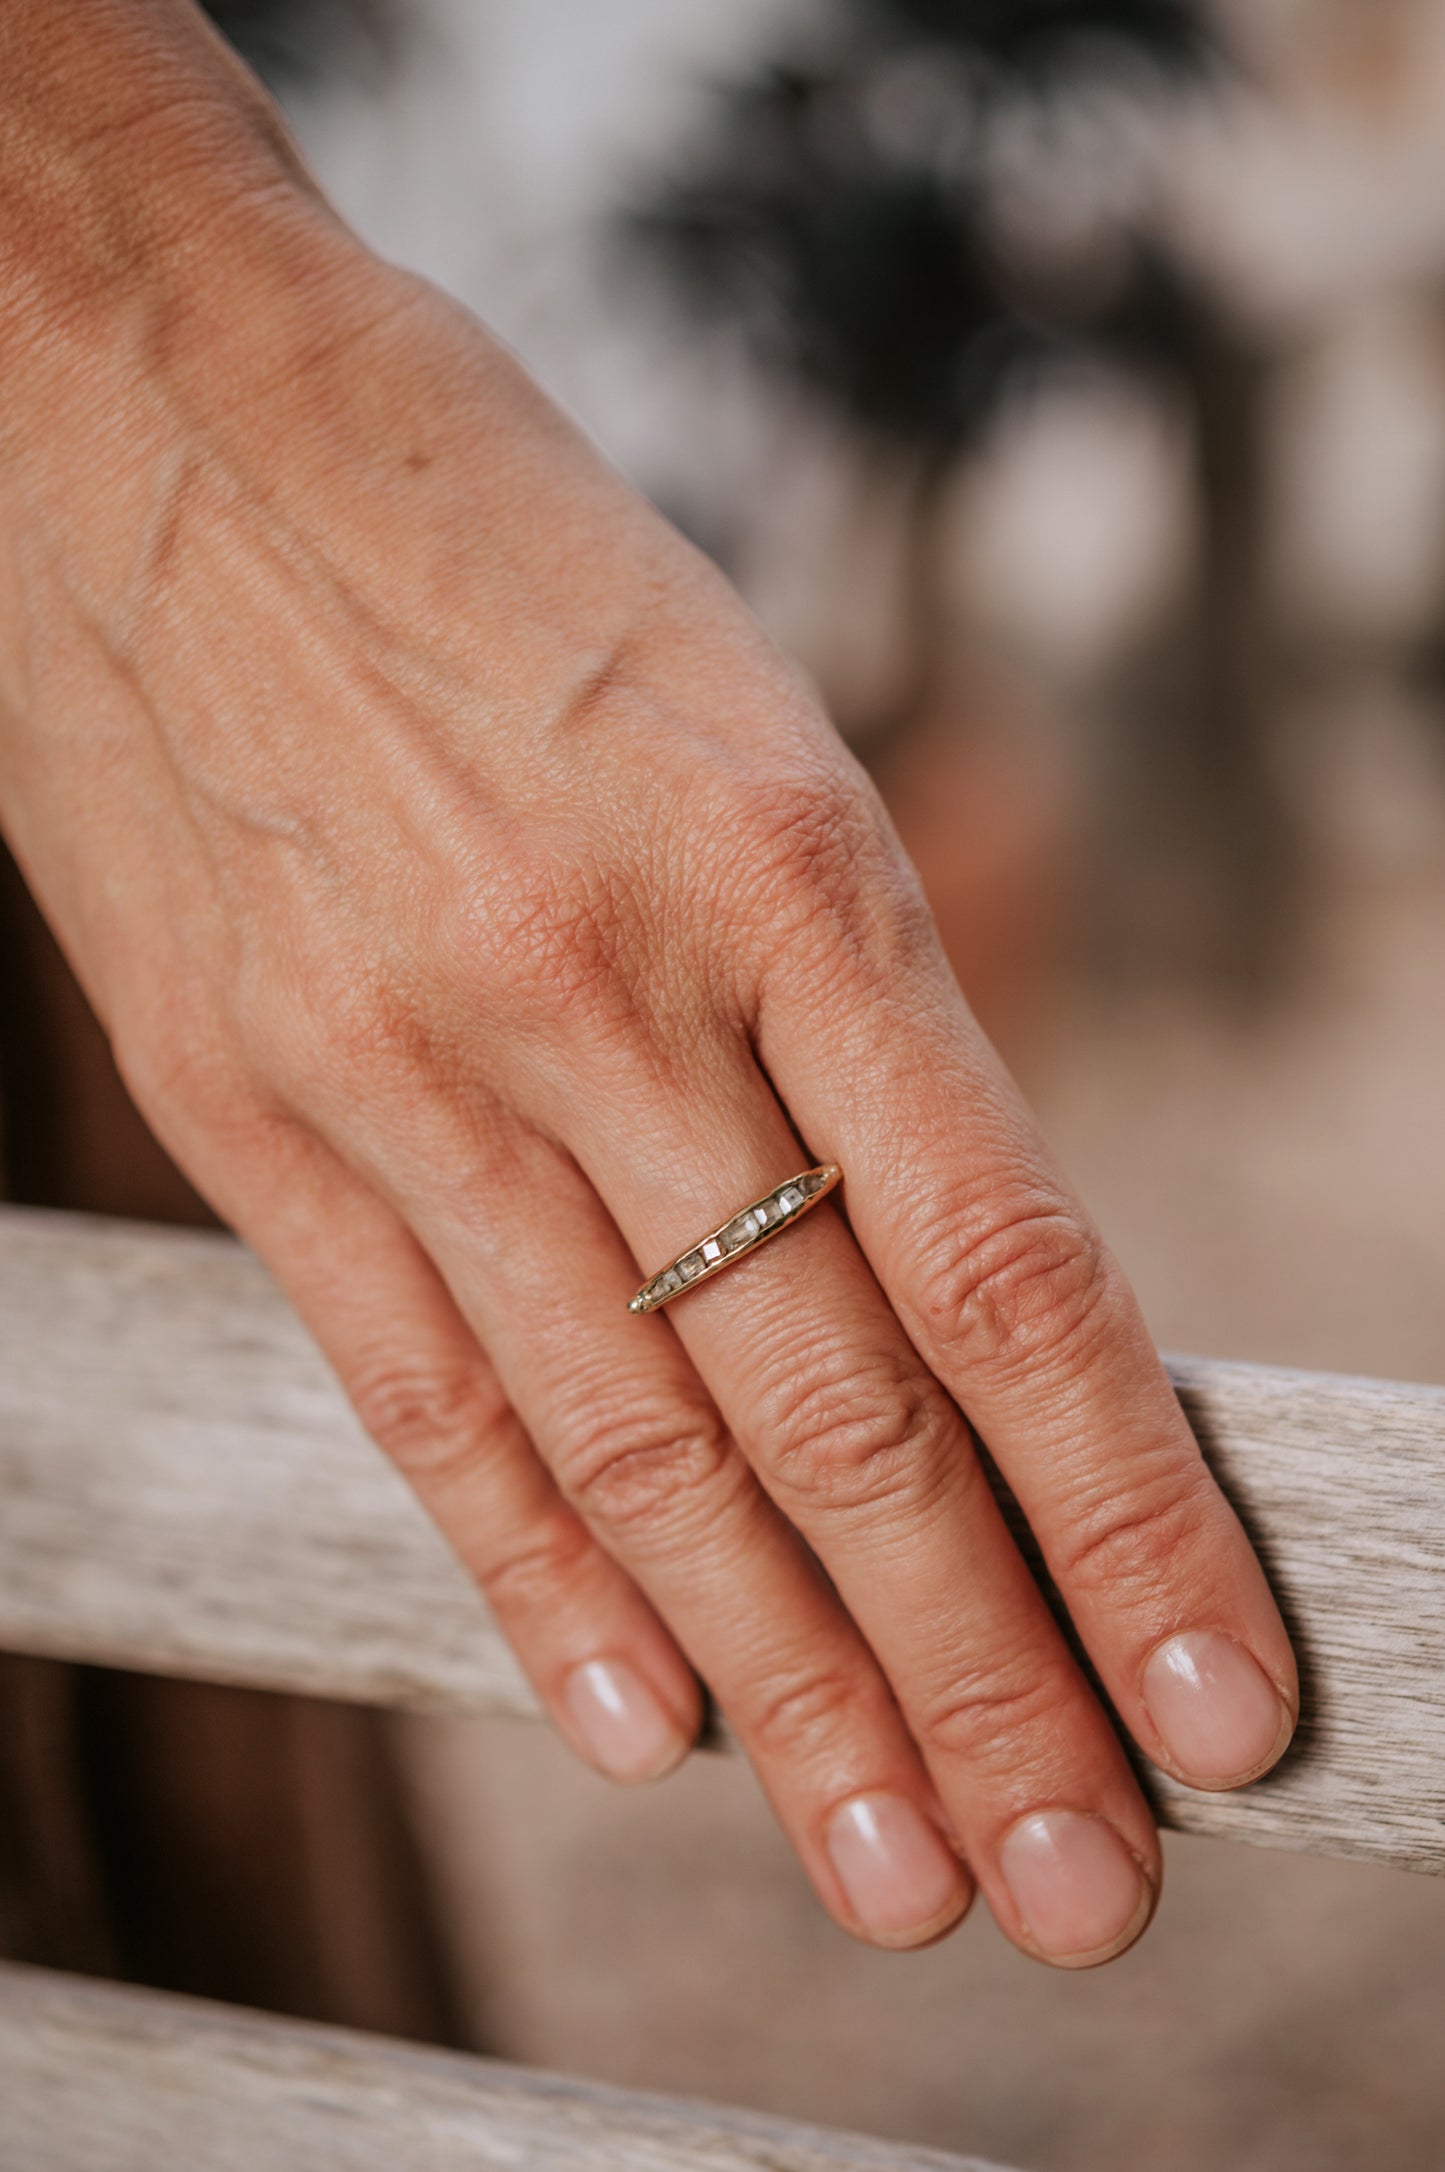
point(776, 1210)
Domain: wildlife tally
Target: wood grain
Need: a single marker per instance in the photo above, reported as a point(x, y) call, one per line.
point(113, 2080)
point(183, 1489)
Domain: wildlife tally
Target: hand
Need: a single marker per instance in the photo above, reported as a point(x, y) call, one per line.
point(481, 911)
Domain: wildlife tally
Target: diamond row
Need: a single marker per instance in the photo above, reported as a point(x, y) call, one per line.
point(764, 1218)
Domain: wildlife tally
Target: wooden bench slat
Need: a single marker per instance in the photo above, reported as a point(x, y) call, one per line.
point(107, 2079)
point(183, 1489)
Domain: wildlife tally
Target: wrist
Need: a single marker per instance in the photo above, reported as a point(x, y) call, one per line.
point(130, 139)
point(162, 250)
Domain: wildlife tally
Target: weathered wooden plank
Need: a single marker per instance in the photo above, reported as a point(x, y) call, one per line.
point(183, 1489)
point(98, 2079)
point(1341, 1485)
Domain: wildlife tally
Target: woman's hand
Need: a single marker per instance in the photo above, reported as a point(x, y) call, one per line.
point(481, 911)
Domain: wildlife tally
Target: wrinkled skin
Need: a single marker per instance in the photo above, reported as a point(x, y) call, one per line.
point(481, 910)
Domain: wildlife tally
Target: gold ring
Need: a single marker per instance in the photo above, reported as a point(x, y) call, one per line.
point(741, 1233)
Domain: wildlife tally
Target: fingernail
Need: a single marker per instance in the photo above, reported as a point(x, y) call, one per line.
point(1221, 1718)
point(901, 1878)
point(621, 1725)
point(1079, 1891)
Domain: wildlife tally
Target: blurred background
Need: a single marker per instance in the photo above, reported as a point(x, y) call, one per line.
point(1063, 381)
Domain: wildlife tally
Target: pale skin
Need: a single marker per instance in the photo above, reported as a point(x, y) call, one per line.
point(481, 910)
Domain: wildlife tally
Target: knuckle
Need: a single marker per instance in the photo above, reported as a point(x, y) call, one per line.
point(181, 1059)
point(641, 1474)
point(1017, 1284)
point(558, 941)
point(1135, 1535)
point(802, 827)
point(437, 1424)
point(858, 1443)
point(523, 1575)
point(829, 872)
point(808, 821)
point(802, 1714)
point(370, 1026)
point(194, 1087)
point(329, 1015)
point(989, 1719)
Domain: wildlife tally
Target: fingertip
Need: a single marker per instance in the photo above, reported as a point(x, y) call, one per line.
point(1220, 1718)
point(902, 1884)
point(619, 1723)
point(1079, 1893)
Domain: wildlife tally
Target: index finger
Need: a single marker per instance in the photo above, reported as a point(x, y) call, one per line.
point(1013, 1301)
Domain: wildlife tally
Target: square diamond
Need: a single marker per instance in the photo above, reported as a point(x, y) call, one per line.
point(790, 1198)
point(712, 1250)
point(690, 1268)
point(668, 1284)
